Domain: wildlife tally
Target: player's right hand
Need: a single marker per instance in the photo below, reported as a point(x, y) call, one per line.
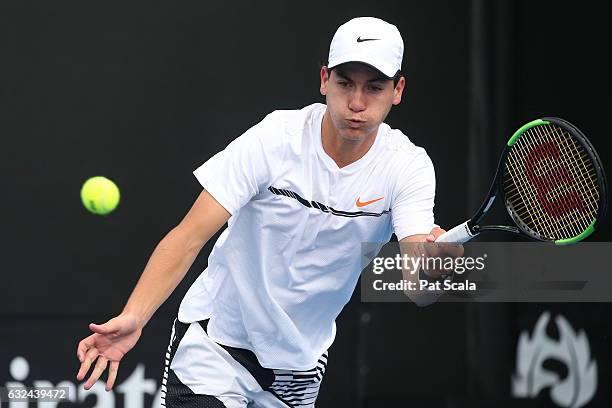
point(442, 250)
point(109, 343)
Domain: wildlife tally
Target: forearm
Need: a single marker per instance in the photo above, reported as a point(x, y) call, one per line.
point(165, 269)
point(413, 247)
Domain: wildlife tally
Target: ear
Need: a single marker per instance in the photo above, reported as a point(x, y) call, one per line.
point(324, 80)
point(398, 91)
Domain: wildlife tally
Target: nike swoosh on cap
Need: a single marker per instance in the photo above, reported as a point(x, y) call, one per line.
point(364, 203)
point(359, 39)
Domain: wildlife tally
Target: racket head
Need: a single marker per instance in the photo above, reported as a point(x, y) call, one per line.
point(552, 182)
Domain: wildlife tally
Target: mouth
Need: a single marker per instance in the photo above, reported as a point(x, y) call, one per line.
point(355, 123)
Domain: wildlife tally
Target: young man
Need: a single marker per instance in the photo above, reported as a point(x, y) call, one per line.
point(301, 191)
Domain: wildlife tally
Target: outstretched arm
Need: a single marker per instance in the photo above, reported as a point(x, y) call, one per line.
point(167, 266)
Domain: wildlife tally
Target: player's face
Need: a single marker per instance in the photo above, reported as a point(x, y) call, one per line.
point(358, 98)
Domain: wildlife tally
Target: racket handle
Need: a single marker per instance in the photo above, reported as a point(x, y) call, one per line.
point(459, 234)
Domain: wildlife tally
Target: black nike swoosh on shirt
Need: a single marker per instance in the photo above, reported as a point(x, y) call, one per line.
point(359, 39)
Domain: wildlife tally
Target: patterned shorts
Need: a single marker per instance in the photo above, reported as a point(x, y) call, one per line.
point(200, 373)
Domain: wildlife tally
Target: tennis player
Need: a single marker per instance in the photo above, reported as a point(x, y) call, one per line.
point(300, 191)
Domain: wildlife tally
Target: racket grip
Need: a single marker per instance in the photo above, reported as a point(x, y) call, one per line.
point(459, 234)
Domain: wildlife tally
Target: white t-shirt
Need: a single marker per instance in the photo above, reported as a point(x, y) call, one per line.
point(289, 260)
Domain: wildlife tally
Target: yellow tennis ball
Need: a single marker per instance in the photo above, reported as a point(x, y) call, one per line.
point(100, 195)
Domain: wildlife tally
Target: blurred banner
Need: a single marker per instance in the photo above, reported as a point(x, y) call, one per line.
point(514, 355)
point(41, 352)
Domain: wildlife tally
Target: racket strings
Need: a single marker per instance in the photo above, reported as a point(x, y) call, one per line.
point(528, 196)
point(578, 224)
point(557, 184)
point(551, 183)
point(587, 178)
point(516, 196)
point(556, 181)
point(527, 193)
point(586, 175)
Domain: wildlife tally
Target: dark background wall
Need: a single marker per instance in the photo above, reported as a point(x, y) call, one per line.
point(144, 93)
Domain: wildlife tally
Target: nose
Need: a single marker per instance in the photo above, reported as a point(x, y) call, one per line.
point(357, 100)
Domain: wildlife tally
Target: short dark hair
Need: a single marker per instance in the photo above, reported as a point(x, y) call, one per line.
point(395, 78)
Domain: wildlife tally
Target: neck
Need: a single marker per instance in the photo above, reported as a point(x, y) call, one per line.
point(343, 151)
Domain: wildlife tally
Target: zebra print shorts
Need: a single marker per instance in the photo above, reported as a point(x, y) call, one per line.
point(200, 373)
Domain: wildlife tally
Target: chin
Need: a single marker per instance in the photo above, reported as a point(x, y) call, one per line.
point(353, 134)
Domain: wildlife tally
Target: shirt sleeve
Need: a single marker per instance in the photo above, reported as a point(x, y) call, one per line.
point(243, 169)
point(412, 209)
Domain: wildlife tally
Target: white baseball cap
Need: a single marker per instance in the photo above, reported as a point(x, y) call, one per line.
point(368, 40)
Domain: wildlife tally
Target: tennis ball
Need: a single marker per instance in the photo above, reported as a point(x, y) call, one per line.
point(100, 195)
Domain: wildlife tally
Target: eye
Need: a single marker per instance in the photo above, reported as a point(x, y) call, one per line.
point(343, 84)
point(375, 88)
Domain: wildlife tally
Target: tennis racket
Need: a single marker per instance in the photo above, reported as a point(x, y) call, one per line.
point(552, 183)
